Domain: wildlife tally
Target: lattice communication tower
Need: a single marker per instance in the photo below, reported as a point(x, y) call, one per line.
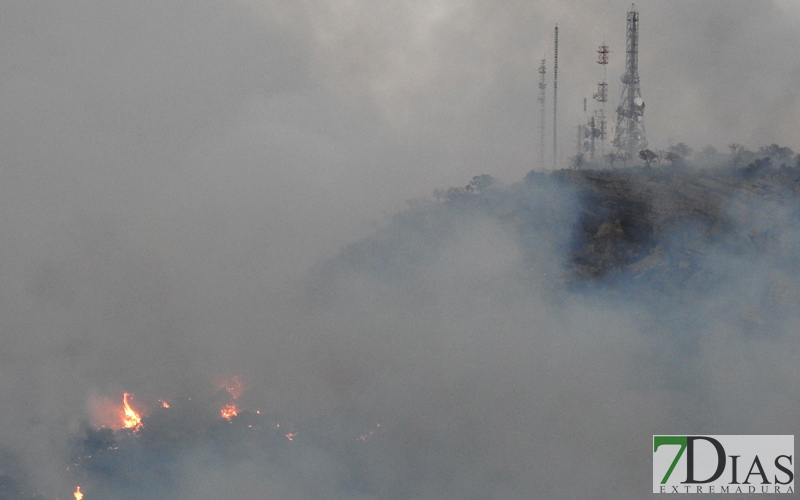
point(630, 136)
point(598, 124)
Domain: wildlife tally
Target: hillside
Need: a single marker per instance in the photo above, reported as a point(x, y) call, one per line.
point(640, 232)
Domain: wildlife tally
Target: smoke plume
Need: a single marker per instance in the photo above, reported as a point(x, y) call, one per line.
point(197, 191)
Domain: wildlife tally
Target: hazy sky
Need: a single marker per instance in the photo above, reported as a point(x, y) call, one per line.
point(395, 97)
point(170, 169)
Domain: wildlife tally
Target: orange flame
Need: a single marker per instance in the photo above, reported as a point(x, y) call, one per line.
point(229, 411)
point(164, 404)
point(78, 494)
point(131, 419)
point(235, 388)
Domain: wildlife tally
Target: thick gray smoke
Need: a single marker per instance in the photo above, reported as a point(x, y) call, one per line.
point(195, 190)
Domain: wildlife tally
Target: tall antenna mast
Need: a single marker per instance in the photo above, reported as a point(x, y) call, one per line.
point(555, 104)
point(629, 136)
point(599, 121)
point(542, 87)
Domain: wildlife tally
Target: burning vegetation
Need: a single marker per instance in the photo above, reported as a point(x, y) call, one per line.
point(233, 388)
point(145, 454)
point(130, 420)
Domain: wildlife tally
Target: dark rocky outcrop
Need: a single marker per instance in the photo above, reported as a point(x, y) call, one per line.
point(661, 224)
